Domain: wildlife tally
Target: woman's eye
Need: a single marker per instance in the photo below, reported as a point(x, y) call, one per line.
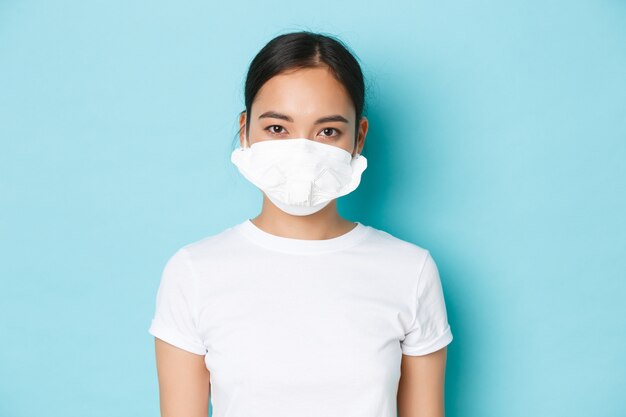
point(330, 129)
point(277, 130)
point(271, 129)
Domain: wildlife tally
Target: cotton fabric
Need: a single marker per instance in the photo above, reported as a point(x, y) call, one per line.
point(294, 327)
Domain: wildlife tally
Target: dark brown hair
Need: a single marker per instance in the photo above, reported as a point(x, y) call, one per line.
point(305, 49)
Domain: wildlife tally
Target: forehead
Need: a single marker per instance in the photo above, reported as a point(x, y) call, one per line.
point(304, 92)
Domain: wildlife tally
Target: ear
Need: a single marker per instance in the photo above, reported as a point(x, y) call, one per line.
point(363, 126)
point(242, 128)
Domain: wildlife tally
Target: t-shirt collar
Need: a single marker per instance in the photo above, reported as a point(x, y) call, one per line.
point(301, 246)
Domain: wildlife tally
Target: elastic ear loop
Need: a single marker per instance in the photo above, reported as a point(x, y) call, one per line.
point(245, 138)
point(356, 142)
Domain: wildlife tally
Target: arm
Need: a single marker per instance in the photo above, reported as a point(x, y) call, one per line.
point(184, 386)
point(421, 386)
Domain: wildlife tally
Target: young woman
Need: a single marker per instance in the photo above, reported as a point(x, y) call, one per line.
point(299, 312)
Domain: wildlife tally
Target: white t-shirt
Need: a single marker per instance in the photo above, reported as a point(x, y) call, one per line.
point(294, 327)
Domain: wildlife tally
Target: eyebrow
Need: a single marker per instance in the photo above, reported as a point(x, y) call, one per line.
point(333, 118)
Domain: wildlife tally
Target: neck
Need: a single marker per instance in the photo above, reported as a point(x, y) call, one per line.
point(324, 224)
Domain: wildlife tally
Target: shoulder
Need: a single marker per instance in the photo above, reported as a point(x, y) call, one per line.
point(212, 245)
point(391, 245)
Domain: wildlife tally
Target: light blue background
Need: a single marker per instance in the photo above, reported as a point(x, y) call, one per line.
point(497, 141)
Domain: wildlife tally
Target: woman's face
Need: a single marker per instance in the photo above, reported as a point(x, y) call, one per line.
point(305, 103)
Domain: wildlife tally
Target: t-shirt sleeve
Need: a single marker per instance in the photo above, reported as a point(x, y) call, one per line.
point(175, 320)
point(430, 330)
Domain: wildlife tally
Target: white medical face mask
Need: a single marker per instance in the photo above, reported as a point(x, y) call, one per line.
point(300, 176)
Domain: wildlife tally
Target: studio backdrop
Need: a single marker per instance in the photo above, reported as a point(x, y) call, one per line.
point(497, 140)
